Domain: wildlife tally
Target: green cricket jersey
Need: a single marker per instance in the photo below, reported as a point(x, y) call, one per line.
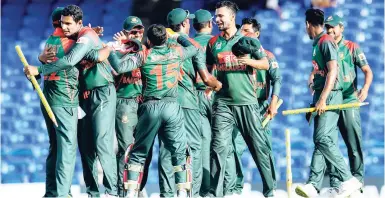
point(61, 88)
point(202, 39)
point(92, 73)
point(267, 78)
point(129, 84)
point(351, 57)
point(188, 96)
point(239, 86)
point(324, 50)
point(160, 67)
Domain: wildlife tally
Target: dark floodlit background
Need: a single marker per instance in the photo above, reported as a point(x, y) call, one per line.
point(24, 140)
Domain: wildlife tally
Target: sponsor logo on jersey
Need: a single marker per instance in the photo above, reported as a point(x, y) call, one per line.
point(229, 62)
point(362, 56)
point(274, 65)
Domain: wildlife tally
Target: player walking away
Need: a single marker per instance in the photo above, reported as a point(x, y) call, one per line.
point(236, 101)
point(98, 100)
point(160, 112)
point(265, 79)
point(128, 90)
point(61, 91)
point(349, 123)
point(327, 86)
point(178, 20)
point(203, 25)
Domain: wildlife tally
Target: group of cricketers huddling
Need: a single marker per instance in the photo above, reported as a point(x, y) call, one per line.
point(204, 97)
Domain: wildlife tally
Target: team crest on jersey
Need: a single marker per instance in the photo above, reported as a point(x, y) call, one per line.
point(274, 65)
point(218, 46)
point(341, 55)
point(124, 119)
point(362, 56)
point(83, 40)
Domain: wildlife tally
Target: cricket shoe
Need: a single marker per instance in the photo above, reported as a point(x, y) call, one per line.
point(348, 187)
point(182, 193)
point(357, 194)
point(131, 194)
point(306, 190)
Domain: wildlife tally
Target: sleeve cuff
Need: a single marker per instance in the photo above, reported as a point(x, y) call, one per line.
point(39, 69)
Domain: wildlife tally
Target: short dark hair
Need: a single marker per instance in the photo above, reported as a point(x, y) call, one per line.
point(74, 11)
point(199, 26)
point(252, 21)
point(176, 28)
point(157, 35)
point(315, 16)
point(229, 4)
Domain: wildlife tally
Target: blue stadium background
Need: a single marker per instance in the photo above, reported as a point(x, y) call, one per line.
point(24, 140)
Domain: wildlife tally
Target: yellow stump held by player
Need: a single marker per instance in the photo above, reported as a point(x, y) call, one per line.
point(37, 87)
point(268, 117)
point(289, 177)
point(329, 107)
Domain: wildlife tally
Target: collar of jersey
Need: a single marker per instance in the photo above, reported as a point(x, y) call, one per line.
point(341, 41)
point(202, 34)
point(317, 38)
point(237, 33)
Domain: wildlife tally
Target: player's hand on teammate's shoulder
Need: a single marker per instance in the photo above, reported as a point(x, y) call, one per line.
point(98, 29)
point(31, 70)
point(171, 34)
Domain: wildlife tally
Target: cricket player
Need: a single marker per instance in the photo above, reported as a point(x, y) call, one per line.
point(237, 99)
point(327, 88)
point(128, 90)
point(203, 25)
point(349, 122)
point(265, 79)
point(98, 99)
point(61, 91)
point(160, 113)
point(179, 21)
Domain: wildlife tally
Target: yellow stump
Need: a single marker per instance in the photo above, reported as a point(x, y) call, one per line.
point(268, 117)
point(329, 107)
point(36, 86)
point(289, 177)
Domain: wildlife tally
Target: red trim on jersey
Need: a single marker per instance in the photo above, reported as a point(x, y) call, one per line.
point(351, 46)
point(213, 40)
point(67, 44)
point(325, 37)
point(269, 54)
point(196, 44)
point(58, 32)
point(90, 32)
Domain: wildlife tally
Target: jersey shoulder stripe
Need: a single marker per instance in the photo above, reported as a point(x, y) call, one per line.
point(352, 46)
point(90, 33)
point(269, 54)
point(213, 40)
point(196, 44)
point(326, 38)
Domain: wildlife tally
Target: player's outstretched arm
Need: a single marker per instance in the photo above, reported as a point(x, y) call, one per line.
point(189, 49)
point(125, 65)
